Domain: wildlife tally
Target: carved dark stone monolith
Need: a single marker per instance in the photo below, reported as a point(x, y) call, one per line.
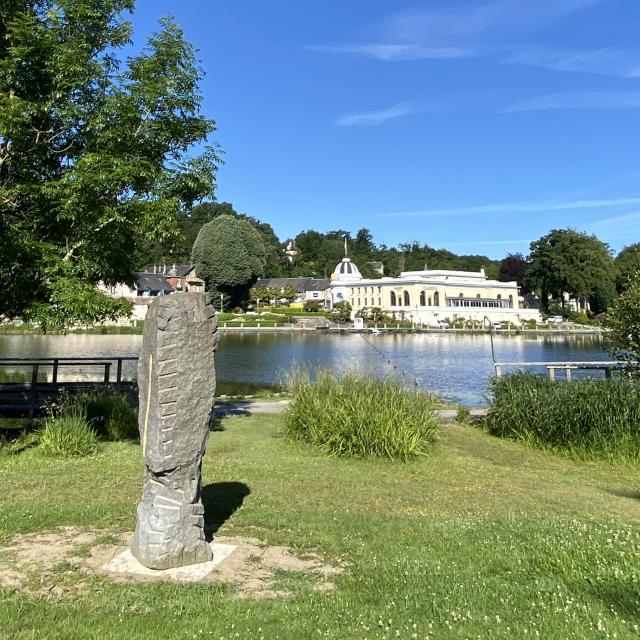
point(176, 380)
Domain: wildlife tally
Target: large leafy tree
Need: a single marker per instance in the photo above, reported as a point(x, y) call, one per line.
point(627, 265)
point(94, 153)
point(565, 261)
point(229, 255)
point(624, 322)
point(190, 221)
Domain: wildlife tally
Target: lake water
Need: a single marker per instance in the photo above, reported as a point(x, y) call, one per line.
point(457, 367)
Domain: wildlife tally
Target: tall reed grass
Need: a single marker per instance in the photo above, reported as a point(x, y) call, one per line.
point(352, 415)
point(68, 436)
point(584, 418)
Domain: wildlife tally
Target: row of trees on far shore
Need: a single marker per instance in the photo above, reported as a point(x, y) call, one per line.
point(232, 250)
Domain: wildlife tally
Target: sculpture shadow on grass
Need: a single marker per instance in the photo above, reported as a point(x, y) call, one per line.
point(625, 493)
point(621, 595)
point(221, 500)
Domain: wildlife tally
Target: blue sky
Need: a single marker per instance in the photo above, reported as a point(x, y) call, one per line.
point(475, 126)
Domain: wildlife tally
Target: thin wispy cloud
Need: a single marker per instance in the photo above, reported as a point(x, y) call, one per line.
point(606, 60)
point(495, 17)
point(624, 227)
point(578, 100)
point(373, 118)
point(627, 217)
point(517, 207)
point(396, 52)
point(483, 30)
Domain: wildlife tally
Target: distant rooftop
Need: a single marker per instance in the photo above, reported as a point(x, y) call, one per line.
point(300, 284)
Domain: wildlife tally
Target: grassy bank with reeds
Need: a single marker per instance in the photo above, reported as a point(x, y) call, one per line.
point(584, 418)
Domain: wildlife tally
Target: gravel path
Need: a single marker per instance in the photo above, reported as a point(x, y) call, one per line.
point(241, 408)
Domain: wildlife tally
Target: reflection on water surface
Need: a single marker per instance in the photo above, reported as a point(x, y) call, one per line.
point(458, 367)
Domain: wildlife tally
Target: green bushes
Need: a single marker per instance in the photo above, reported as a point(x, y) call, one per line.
point(68, 436)
point(110, 414)
point(585, 418)
point(80, 421)
point(355, 416)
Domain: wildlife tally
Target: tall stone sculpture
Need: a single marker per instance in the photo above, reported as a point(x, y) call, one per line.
point(176, 380)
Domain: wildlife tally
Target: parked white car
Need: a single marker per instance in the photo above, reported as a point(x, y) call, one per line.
point(435, 323)
point(555, 319)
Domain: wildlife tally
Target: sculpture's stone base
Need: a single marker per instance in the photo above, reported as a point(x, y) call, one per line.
point(170, 527)
point(125, 563)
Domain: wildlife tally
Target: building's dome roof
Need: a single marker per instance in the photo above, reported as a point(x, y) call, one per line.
point(346, 270)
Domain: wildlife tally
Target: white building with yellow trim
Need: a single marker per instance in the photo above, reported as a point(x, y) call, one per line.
point(422, 296)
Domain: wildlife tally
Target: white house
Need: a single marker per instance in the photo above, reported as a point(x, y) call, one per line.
point(421, 296)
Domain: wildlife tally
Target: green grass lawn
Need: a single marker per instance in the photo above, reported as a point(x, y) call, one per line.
point(481, 539)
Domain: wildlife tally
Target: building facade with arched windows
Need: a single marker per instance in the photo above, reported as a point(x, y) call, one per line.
point(422, 296)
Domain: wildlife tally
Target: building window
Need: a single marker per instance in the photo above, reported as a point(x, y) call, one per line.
point(407, 300)
point(499, 297)
point(379, 301)
point(423, 299)
point(365, 302)
point(436, 299)
point(379, 289)
point(430, 301)
point(393, 299)
point(478, 296)
point(358, 301)
point(510, 302)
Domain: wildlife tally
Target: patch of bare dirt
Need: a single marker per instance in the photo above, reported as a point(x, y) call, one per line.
point(253, 568)
point(58, 564)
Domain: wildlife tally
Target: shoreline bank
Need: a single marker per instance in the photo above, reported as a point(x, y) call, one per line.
point(117, 330)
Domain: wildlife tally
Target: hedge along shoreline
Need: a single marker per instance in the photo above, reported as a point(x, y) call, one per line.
point(583, 418)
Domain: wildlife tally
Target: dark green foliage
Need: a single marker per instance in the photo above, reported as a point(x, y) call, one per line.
point(93, 153)
point(110, 415)
point(352, 415)
point(627, 265)
point(463, 415)
point(576, 263)
point(190, 221)
point(312, 305)
point(623, 320)
point(585, 418)
point(513, 268)
point(229, 255)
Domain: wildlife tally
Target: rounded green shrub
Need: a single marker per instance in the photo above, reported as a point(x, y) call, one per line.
point(352, 415)
point(68, 436)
